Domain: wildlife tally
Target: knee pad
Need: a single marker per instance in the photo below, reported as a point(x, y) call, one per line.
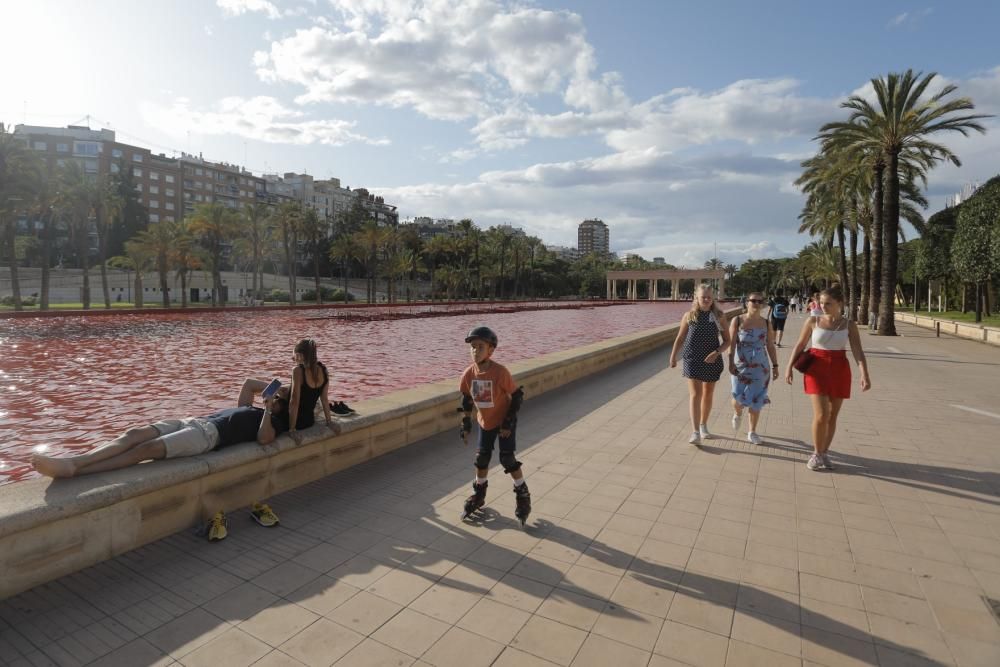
point(483, 458)
point(509, 462)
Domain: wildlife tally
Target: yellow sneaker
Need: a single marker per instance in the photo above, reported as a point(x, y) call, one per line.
point(263, 515)
point(217, 527)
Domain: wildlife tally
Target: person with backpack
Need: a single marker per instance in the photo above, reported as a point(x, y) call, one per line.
point(777, 314)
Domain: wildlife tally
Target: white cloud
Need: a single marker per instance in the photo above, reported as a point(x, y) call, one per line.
point(259, 118)
point(909, 18)
point(239, 7)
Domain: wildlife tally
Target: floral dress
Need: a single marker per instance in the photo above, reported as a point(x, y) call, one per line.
point(753, 367)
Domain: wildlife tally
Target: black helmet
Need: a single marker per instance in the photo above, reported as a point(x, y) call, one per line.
point(482, 333)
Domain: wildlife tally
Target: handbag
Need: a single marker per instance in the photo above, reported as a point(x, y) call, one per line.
point(803, 361)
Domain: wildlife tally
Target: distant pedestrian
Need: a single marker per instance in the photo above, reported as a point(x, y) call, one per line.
point(777, 314)
point(828, 378)
point(793, 303)
point(699, 336)
point(753, 363)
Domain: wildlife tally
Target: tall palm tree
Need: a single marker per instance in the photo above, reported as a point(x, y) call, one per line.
point(75, 200)
point(372, 239)
point(346, 249)
point(185, 256)
point(902, 118)
point(314, 231)
point(158, 240)
point(108, 207)
point(20, 185)
point(435, 251)
point(138, 257)
point(255, 224)
point(215, 226)
point(288, 218)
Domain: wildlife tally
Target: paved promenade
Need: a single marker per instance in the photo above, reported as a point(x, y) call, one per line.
point(643, 550)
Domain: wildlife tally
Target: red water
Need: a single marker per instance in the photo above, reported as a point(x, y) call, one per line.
point(70, 383)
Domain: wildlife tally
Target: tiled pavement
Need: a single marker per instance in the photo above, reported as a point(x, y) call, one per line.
point(642, 550)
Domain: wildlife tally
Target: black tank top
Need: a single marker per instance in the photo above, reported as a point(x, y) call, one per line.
point(308, 399)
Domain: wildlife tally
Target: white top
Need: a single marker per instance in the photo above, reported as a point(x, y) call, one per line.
point(831, 339)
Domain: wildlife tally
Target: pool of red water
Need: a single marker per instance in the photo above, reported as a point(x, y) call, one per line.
point(69, 383)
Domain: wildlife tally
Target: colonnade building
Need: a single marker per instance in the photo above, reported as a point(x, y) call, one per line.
point(651, 279)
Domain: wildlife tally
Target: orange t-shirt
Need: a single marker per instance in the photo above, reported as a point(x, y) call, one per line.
point(490, 391)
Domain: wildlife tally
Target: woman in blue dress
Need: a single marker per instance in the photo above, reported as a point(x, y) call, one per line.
point(753, 363)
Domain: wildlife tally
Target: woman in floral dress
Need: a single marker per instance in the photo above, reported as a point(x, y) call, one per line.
point(753, 363)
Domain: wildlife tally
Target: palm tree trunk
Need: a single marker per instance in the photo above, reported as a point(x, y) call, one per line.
point(854, 271)
point(841, 246)
point(84, 250)
point(161, 266)
point(866, 277)
point(184, 288)
point(875, 284)
point(102, 244)
point(319, 294)
point(46, 258)
point(890, 238)
point(138, 289)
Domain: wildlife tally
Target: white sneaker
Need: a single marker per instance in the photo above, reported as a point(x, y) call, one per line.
point(753, 438)
point(737, 420)
point(695, 438)
point(814, 462)
point(703, 431)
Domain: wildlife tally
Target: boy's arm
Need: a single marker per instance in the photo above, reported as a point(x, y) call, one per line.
point(466, 409)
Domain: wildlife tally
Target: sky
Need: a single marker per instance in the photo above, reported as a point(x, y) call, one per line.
point(680, 124)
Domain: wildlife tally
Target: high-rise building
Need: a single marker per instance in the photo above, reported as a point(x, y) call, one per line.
point(593, 236)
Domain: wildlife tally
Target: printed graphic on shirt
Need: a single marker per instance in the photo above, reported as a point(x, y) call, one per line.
point(482, 393)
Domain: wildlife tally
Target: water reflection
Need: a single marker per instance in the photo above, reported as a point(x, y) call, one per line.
point(73, 382)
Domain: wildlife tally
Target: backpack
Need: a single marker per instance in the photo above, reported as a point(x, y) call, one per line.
point(780, 311)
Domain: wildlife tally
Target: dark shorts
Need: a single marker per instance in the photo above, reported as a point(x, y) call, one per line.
point(779, 325)
point(487, 439)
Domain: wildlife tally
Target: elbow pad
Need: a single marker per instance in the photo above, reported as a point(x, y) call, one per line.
point(467, 404)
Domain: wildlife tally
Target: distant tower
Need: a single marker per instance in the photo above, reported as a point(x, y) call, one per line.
point(593, 236)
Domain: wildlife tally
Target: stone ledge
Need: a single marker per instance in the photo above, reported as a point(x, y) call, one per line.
point(49, 528)
point(968, 330)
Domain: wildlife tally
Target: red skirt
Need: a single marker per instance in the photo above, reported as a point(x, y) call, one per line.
point(829, 374)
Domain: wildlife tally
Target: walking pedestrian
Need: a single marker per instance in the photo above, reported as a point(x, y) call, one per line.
point(753, 363)
point(699, 335)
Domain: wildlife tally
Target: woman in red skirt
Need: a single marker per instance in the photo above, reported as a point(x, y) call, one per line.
point(828, 378)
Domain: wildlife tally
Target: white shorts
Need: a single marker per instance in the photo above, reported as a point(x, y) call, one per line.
point(187, 437)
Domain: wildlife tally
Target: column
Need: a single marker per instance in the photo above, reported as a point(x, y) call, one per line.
point(722, 289)
point(652, 289)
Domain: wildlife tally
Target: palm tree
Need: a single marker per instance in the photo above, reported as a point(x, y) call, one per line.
point(184, 255)
point(158, 240)
point(138, 257)
point(215, 226)
point(902, 119)
point(75, 200)
point(371, 238)
point(314, 231)
point(346, 249)
point(256, 231)
point(289, 220)
point(435, 251)
point(20, 185)
point(108, 206)
point(820, 263)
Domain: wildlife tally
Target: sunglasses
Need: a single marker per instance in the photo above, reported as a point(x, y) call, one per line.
point(755, 301)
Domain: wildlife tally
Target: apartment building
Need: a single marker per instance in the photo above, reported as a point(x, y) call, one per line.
point(593, 236)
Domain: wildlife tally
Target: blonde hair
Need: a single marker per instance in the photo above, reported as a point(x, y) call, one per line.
point(692, 316)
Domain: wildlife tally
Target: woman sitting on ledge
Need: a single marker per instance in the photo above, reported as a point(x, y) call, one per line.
point(174, 438)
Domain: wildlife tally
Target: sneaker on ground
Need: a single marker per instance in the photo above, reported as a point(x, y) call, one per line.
point(695, 438)
point(737, 419)
point(827, 463)
point(263, 515)
point(217, 527)
point(814, 462)
point(753, 438)
point(703, 431)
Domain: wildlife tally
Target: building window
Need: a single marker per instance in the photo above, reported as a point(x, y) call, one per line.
point(62, 148)
point(86, 148)
point(169, 178)
point(137, 172)
point(170, 206)
point(198, 171)
point(138, 187)
point(168, 218)
point(116, 152)
point(154, 203)
point(154, 175)
point(199, 198)
point(169, 192)
point(114, 168)
point(153, 217)
point(40, 146)
point(136, 157)
point(90, 166)
point(197, 185)
point(154, 189)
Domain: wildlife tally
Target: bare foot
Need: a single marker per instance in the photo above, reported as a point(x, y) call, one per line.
point(53, 467)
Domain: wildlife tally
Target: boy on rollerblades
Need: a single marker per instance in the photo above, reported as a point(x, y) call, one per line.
point(489, 387)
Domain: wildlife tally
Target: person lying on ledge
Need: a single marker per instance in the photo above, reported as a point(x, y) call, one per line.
point(174, 438)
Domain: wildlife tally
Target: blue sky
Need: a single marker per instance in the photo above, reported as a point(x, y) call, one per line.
point(679, 124)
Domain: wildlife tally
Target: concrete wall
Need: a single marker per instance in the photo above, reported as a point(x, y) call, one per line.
point(983, 334)
point(52, 528)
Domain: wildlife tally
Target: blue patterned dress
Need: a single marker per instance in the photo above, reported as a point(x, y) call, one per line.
point(753, 367)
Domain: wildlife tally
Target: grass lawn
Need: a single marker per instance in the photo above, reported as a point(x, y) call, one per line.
point(958, 315)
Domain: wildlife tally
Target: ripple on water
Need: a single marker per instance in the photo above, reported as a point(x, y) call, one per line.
point(80, 381)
